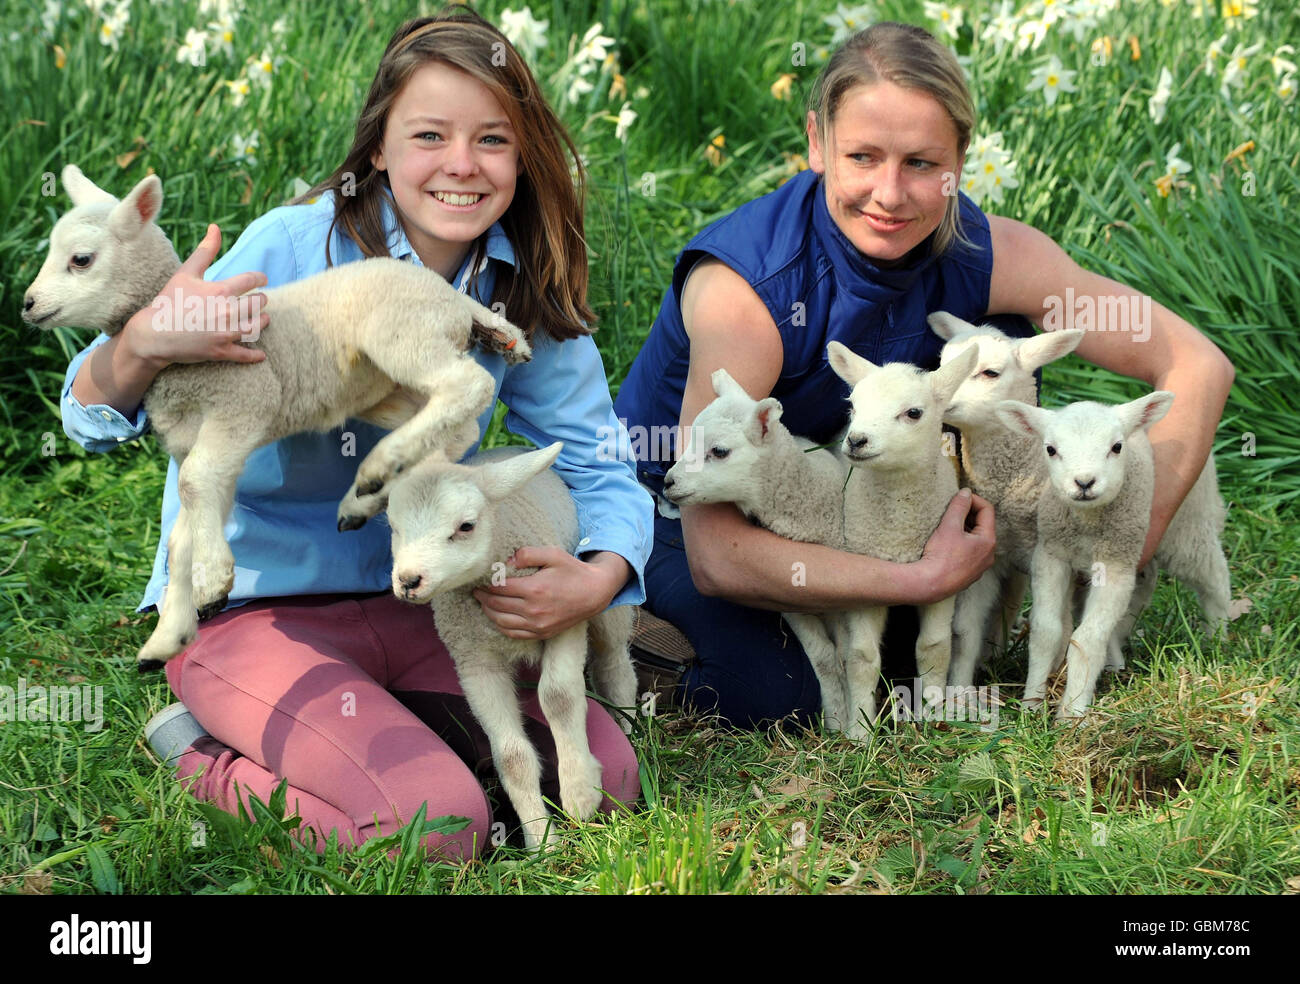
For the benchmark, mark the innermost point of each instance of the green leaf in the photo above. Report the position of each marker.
(102, 872)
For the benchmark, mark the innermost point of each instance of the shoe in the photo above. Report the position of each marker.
(171, 732)
(660, 656)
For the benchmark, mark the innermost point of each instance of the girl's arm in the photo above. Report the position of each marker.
(563, 394)
(730, 327)
(1031, 275)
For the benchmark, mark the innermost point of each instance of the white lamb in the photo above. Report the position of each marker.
(740, 452)
(1093, 520)
(1003, 466)
(380, 340)
(454, 526)
(899, 487)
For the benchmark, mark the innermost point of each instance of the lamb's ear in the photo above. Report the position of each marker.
(724, 385)
(81, 189)
(947, 325)
(1034, 353)
(946, 380)
(137, 209)
(766, 413)
(1021, 418)
(503, 478)
(1144, 411)
(848, 365)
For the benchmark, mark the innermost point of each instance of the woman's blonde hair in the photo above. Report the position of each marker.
(912, 58)
(544, 222)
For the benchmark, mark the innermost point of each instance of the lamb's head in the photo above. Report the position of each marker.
(1004, 369)
(107, 258)
(896, 411)
(727, 442)
(1086, 445)
(442, 516)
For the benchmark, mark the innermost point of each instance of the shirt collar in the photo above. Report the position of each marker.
(498, 244)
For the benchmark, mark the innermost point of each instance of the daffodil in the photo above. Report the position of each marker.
(223, 34)
(1236, 11)
(578, 87)
(193, 50)
(525, 31)
(781, 87)
(1101, 49)
(115, 21)
(1174, 167)
(1234, 67)
(262, 69)
(239, 90)
(847, 21)
(1214, 55)
(948, 18)
(713, 152)
(626, 117)
(988, 170)
(1053, 79)
(1030, 34)
(1282, 66)
(594, 47)
(1286, 88)
(243, 148)
(1001, 28)
(1164, 88)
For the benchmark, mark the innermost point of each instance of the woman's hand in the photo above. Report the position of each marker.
(960, 549)
(562, 593)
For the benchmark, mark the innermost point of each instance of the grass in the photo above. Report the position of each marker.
(1187, 779)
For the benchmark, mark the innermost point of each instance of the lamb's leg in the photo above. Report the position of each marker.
(490, 692)
(811, 632)
(1107, 603)
(612, 674)
(934, 650)
(1143, 588)
(1052, 586)
(973, 607)
(206, 483)
(862, 630)
(1015, 585)
(178, 623)
(458, 393)
(494, 333)
(563, 697)
(1209, 577)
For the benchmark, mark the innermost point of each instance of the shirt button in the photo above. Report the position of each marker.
(106, 415)
(584, 541)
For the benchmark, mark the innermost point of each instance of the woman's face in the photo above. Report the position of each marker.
(452, 160)
(891, 165)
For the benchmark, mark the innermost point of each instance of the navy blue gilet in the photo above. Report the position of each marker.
(817, 286)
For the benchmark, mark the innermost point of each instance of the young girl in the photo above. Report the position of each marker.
(861, 248)
(316, 673)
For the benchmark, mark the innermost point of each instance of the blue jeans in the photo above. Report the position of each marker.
(749, 668)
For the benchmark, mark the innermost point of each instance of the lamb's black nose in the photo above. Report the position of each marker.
(1085, 486)
(856, 444)
(668, 483)
(411, 581)
(29, 302)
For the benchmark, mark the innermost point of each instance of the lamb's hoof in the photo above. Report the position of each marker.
(210, 609)
(370, 488)
(149, 665)
(351, 523)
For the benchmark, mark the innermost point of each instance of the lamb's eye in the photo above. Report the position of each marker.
(1117, 447)
(1051, 451)
(719, 453)
(81, 261)
(914, 413)
(990, 374)
(465, 527)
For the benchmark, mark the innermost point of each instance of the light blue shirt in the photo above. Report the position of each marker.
(283, 527)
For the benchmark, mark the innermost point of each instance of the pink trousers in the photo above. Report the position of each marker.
(356, 703)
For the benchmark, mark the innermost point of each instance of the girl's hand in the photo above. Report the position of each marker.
(177, 328)
(562, 593)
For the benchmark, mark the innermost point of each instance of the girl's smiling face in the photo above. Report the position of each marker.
(452, 160)
(890, 165)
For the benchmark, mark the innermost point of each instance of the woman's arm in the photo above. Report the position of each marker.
(730, 327)
(1031, 275)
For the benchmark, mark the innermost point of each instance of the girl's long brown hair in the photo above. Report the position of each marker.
(548, 288)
